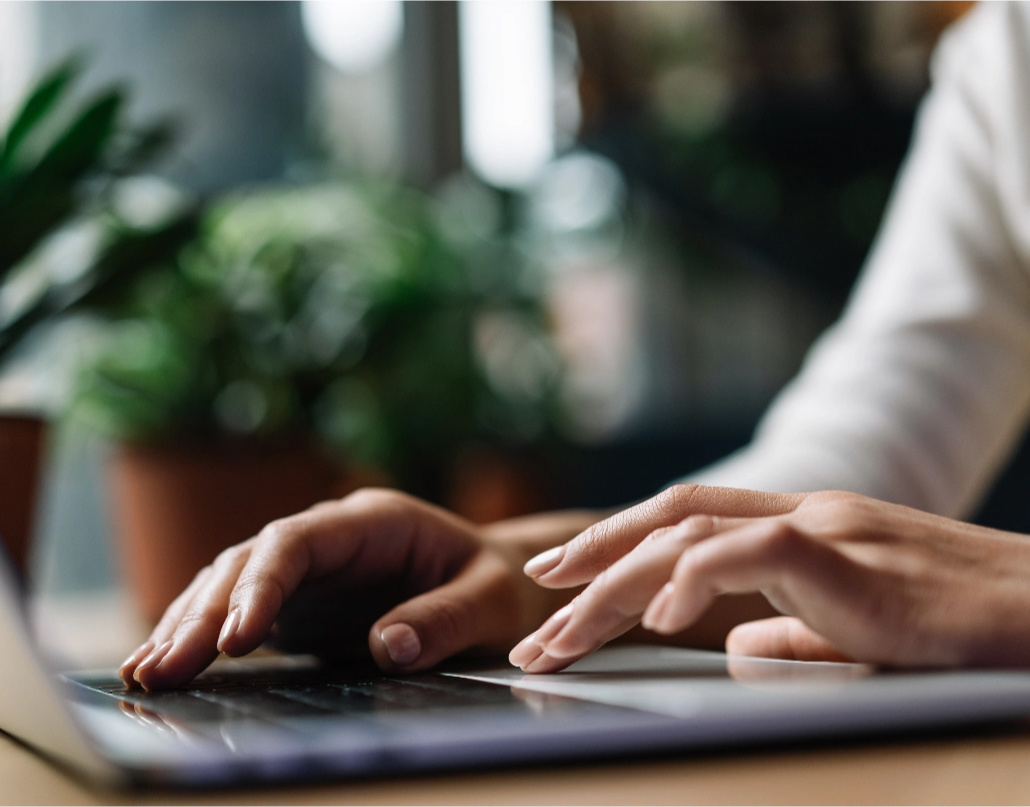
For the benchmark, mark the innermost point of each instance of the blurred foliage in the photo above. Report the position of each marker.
(61, 162)
(389, 326)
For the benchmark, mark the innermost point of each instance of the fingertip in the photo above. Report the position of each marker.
(655, 618)
(402, 643)
(525, 652)
(545, 663)
(174, 667)
(398, 647)
(229, 630)
(144, 672)
(128, 667)
(745, 639)
(241, 643)
(544, 563)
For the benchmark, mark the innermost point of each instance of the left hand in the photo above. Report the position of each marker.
(857, 578)
(377, 574)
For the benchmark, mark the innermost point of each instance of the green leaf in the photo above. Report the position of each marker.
(79, 149)
(108, 281)
(36, 107)
(37, 202)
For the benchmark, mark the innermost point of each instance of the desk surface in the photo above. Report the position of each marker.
(991, 766)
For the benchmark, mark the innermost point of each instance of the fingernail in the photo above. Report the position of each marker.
(531, 648)
(559, 619)
(232, 624)
(129, 665)
(656, 610)
(151, 661)
(544, 562)
(525, 652)
(544, 664)
(402, 643)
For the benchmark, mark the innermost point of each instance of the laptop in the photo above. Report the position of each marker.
(290, 718)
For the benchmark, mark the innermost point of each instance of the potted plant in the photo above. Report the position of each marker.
(60, 162)
(310, 339)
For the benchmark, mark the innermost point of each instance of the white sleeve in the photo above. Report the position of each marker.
(921, 391)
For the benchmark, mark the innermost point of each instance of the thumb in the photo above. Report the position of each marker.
(475, 609)
(781, 637)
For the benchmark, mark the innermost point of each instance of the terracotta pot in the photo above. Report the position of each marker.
(21, 456)
(177, 507)
(490, 484)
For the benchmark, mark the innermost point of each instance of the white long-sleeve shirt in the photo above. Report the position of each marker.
(921, 391)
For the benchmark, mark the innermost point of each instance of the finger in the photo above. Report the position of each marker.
(529, 653)
(192, 645)
(781, 637)
(614, 602)
(594, 550)
(368, 533)
(798, 575)
(163, 630)
(474, 610)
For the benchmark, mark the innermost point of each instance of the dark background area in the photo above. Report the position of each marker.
(791, 179)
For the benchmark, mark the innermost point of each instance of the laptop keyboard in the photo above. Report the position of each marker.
(283, 696)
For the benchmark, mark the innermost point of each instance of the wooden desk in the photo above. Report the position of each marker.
(986, 767)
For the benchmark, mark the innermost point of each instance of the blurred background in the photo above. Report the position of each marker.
(654, 208)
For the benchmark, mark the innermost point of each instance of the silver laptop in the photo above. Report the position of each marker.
(289, 718)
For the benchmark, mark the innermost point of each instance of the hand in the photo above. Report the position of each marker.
(858, 579)
(376, 572)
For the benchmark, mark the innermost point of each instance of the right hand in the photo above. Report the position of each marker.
(853, 578)
(376, 572)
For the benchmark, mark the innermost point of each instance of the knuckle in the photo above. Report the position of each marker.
(323, 506)
(273, 531)
(593, 550)
(782, 541)
(375, 499)
(284, 531)
(847, 512)
(594, 539)
(694, 527)
(676, 499)
(227, 558)
(199, 579)
(841, 500)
